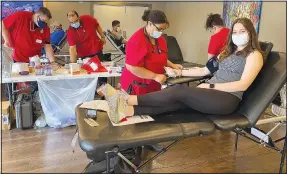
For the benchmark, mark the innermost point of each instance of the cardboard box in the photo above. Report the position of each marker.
(6, 119)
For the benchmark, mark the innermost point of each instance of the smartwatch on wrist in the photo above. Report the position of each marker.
(211, 86)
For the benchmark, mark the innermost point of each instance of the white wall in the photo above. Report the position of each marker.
(273, 24)
(129, 16)
(187, 21)
(59, 10)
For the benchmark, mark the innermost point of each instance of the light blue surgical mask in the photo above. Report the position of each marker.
(75, 25)
(156, 34)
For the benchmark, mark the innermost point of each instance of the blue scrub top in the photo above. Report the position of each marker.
(56, 37)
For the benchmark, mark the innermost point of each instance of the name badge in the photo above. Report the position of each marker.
(38, 41)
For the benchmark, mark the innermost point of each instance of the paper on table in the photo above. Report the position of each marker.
(96, 104)
(134, 120)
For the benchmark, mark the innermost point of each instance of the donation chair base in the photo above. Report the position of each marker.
(112, 159)
(265, 141)
(241, 127)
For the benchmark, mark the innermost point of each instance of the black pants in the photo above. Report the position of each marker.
(181, 96)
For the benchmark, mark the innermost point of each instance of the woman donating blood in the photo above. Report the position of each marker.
(146, 56)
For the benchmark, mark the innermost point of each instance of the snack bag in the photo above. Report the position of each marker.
(94, 65)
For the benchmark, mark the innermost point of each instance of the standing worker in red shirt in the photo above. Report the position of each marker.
(146, 56)
(217, 42)
(26, 33)
(83, 37)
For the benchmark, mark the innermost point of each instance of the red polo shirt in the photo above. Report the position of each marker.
(26, 43)
(141, 53)
(85, 37)
(218, 41)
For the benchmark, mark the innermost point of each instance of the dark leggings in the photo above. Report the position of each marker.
(177, 97)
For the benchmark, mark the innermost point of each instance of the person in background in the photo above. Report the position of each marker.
(57, 35)
(82, 36)
(215, 24)
(146, 56)
(117, 33)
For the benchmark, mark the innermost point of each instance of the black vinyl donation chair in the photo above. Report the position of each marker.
(103, 144)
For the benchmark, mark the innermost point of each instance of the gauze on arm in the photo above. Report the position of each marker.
(170, 72)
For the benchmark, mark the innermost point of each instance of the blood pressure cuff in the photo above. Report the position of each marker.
(212, 64)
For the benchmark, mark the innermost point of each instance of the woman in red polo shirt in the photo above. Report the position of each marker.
(217, 42)
(146, 56)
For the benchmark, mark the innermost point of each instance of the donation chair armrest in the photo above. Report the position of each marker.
(56, 47)
(180, 80)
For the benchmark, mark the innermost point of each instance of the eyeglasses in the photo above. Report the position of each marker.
(75, 21)
(158, 29)
(71, 15)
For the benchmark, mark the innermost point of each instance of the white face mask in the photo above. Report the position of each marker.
(156, 34)
(119, 29)
(240, 39)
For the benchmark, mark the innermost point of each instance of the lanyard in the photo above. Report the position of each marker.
(156, 43)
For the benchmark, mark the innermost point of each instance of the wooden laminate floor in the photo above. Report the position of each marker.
(48, 150)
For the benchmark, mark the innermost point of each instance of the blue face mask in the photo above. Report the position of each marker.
(156, 34)
(41, 23)
(75, 25)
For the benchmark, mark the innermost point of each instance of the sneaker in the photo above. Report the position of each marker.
(278, 110)
(106, 90)
(117, 103)
(283, 96)
(118, 107)
(122, 107)
(123, 94)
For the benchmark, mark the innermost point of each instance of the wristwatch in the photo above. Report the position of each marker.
(211, 86)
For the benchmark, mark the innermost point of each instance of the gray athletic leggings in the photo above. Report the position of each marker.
(181, 96)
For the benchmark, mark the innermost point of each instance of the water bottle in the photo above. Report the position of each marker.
(39, 70)
(80, 62)
(67, 68)
(48, 69)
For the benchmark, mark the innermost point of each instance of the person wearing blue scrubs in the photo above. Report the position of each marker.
(57, 35)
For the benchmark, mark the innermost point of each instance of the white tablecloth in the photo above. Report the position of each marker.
(57, 75)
